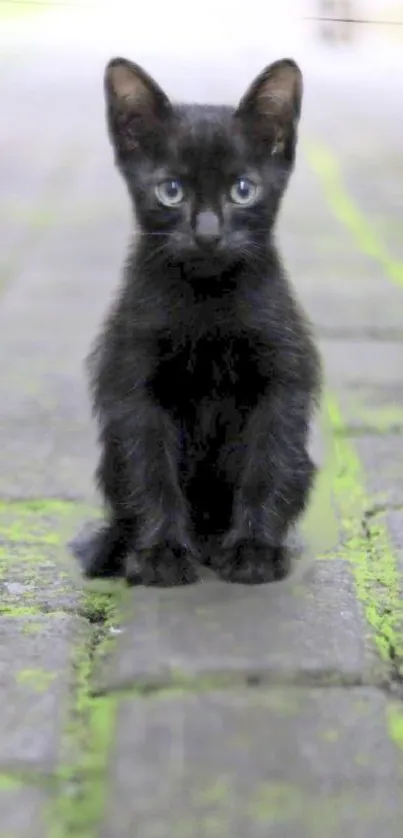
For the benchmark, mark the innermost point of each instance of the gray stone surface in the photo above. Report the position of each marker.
(35, 661)
(22, 810)
(215, 627)
(342, 287)
(289, 764)
(382, 458)
(38, 577)
(349, 364)
(370, 169)
(36, 569)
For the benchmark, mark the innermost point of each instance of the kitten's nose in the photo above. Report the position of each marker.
(207, 229)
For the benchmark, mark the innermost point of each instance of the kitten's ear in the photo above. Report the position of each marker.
(136, 105)
(271, 106)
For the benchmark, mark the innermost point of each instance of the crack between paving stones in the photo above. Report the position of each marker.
(395, 658)
(172, 683)
(77, 810)
(92, 615)
(381, 509)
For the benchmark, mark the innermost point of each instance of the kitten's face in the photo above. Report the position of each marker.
(206, 181)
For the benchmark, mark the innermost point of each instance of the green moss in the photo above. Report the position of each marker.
(89, 730)
(395, 722)
(373, 419)
(39, 505)
(325, 165)
(98, 607)
(366, 545)
(80, 807)
(37, 571)
(38, 680)
(22, 611)
(218, 792)
(41, 520)
(273, 802)
(9, 783)
(29, 529)
(330, 735)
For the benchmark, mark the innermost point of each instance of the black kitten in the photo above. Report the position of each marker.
(205, 375)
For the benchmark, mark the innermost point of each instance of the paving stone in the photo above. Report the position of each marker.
(372, 410)
(216, 627)
(38, 577)
(369, 364)
(46, 419)
(37, 570)
(369, 170)
(394, 522)
(382, 459)
(290, 764)
(340, 285)
(23, 810)
(35, 660)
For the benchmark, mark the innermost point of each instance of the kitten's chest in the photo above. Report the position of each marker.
(213, 368)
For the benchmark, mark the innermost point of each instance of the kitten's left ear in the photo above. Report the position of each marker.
(271, 106)
(137, 108)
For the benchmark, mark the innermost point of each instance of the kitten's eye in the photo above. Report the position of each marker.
(170, 192)
(243, 192)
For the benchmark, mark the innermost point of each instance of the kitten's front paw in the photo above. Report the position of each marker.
(248, 563)
(165, 566)
(99, 550)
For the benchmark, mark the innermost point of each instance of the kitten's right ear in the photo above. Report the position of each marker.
(136, 105)
(271, 107)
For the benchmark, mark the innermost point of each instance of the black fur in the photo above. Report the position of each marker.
(205, 375)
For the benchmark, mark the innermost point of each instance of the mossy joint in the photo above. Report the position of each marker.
(89, 731)
(376, 573)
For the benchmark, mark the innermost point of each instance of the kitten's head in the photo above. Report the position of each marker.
(206, 182)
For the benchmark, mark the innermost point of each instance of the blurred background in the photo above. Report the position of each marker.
(64, 224)
(64, 217)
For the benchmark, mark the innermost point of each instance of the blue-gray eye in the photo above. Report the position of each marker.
(243, 192)
(170, 192)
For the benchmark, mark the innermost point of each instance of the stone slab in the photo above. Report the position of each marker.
(290, 764)
(35, 660)
(370, 364)
(212, 627)
(37, 571)
(369, 169)
(22, 810)
(339, 284)
(382, 459)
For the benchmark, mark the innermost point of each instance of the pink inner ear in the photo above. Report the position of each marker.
(127, 86)
(277, 92)
(277, 95)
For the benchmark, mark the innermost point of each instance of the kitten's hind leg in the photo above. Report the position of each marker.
(101, 549)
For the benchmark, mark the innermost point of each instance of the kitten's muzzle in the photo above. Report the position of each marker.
(207, 232)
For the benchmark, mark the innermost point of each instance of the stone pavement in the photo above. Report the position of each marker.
(216, 711)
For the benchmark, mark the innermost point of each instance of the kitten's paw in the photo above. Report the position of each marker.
(164, 566)
(99, 550)
(248, 563)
